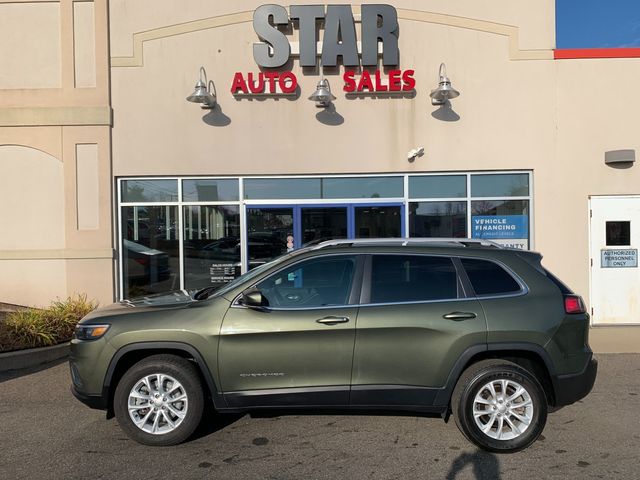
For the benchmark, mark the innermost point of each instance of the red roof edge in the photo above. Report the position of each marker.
(573, 53)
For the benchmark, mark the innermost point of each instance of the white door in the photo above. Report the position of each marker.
(615, 276)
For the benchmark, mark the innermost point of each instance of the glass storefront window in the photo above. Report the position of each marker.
(362, 187)
(281, 188)
(503, 221)
(438, 219)
(150, 250)
(211, 245)
(378, 222)
(500, 185)
(225, 190)
(323, 223)
(438, 186)
(270, 234)
(279, 215)
(150, 191)
(323, 188)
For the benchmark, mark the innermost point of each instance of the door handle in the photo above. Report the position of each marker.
(331, 320)
(459, 315)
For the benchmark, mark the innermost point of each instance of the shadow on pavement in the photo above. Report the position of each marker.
(11, 374)
(213, 422)
(485, 465)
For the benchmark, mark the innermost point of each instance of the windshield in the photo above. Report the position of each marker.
(245, 277)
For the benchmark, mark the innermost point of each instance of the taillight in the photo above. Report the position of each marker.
(573, 304)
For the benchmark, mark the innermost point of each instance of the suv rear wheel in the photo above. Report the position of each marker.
(499, 406)
(159, 400)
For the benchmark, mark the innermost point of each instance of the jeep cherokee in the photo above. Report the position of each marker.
(435, 326)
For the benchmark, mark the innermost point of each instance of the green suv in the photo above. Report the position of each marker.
(429, 326)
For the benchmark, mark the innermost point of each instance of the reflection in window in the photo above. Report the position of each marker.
(281, 188)
(270, 234)
(150, 191)
(618, 233)
(315, 283)
(438, 186)
(320, 224)
(362, 187)
(412, 278)
(210, 190)
(500, 185)
(211, 245)
(500, 207)
(378, 222)
(150, 258)
(438, 219)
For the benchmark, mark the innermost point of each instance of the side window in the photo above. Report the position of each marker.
(412, 278)
(488, 278)
(313, 283)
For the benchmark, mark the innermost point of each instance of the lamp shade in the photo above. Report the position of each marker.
(444, 91)
(201, 95)
(322, 96)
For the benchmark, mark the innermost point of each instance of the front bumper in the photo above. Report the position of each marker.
(98, 402)
(571, 388)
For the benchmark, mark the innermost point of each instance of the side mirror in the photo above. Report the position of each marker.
(252, 298)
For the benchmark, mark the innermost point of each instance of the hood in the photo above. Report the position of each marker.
(166, 300)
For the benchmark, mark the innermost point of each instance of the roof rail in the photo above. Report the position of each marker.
(403, 242)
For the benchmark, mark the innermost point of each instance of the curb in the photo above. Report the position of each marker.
(32, 357)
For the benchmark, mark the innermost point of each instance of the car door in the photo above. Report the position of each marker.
(414, 323)
(298, 348)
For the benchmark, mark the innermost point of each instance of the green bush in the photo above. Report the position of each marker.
(39, 328)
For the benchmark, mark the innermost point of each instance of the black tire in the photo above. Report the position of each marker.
(473, 380)
(181, 370)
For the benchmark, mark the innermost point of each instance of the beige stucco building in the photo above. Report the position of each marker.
(114, 185)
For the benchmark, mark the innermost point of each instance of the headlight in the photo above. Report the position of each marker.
(90, 332)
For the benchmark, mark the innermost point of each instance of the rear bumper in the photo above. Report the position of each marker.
(571, 388)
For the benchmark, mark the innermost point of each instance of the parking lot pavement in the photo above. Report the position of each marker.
(46, 433)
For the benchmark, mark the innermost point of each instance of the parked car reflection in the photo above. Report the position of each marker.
(145, 265)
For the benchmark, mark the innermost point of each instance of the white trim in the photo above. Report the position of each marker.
(120, 293)
(325, 201)
(180, 238)
(244, 235)
(405, 202)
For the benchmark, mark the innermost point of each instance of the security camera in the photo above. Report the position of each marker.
(416, 152)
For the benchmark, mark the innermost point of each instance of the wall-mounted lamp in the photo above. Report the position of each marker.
(445, 91)
(203, 93)
(322, 96)
(620, 158)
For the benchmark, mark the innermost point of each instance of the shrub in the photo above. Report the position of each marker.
(39, 328)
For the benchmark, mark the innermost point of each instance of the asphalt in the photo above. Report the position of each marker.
(46, 433)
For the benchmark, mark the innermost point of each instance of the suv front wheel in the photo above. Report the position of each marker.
(499, 406)
(159, 400)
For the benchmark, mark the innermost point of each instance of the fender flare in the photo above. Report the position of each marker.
(217, 397)
(444, 395)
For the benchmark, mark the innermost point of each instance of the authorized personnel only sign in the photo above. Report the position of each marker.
(619, 258)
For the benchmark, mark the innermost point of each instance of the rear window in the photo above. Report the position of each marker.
(412, 278)
(488, 278)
